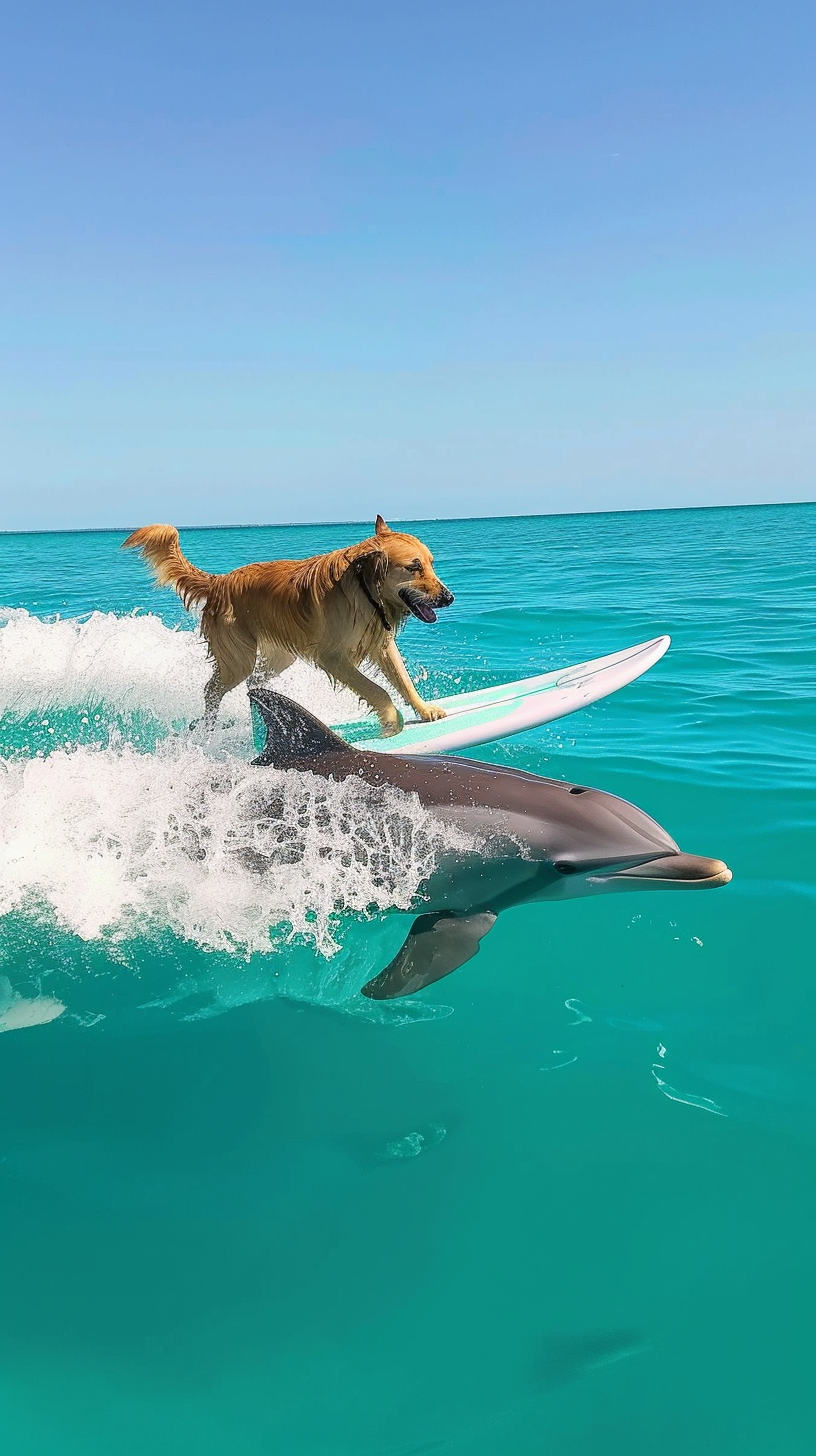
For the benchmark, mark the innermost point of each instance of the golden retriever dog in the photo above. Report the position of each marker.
(335, 610)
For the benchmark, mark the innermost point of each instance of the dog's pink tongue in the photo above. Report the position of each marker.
(424, 612)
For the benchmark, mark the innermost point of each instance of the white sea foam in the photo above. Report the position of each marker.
(116, 843)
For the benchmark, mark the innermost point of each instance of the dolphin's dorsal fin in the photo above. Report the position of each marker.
(292, 734)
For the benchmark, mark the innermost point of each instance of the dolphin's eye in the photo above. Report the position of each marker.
(564, 867)
(576, 790)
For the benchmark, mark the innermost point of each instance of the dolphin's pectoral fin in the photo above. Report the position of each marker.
(436, 945)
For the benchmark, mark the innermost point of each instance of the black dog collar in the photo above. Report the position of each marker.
(378, 606)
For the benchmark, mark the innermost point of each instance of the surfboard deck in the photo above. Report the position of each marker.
(500, 712)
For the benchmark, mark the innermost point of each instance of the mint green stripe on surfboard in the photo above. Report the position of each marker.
(367, 733)
(497, 712)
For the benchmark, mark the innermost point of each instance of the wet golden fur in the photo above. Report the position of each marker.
(331, 610)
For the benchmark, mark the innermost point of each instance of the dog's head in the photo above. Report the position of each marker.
(405, 578)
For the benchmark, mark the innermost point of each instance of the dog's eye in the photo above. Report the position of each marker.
(415, 565)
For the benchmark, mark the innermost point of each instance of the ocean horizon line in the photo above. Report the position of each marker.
(359, 520)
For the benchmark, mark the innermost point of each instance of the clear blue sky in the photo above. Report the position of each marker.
(305, 261)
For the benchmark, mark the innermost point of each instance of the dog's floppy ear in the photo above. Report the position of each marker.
(372, 566)
(381, 527)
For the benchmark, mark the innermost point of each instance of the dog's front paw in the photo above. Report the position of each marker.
(391, 723)
(431, 713)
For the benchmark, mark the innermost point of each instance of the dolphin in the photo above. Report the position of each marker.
(534, 839)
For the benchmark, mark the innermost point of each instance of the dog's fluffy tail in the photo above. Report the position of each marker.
(159, 546)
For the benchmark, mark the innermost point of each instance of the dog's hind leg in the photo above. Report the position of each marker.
(234, 651)
(213, 693)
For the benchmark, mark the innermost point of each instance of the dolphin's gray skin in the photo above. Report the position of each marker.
(539, 839)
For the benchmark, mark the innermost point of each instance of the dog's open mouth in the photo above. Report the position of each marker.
(418, 604)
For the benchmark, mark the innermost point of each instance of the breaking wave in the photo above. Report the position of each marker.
(118, 838)
(134, 664)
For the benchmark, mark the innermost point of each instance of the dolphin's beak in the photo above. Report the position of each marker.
(676, 872)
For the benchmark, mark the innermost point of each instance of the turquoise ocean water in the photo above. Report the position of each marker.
(561, 1202)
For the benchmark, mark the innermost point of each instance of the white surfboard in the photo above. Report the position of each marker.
(491, 713)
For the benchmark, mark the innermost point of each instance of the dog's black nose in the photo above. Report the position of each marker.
(445, 598)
